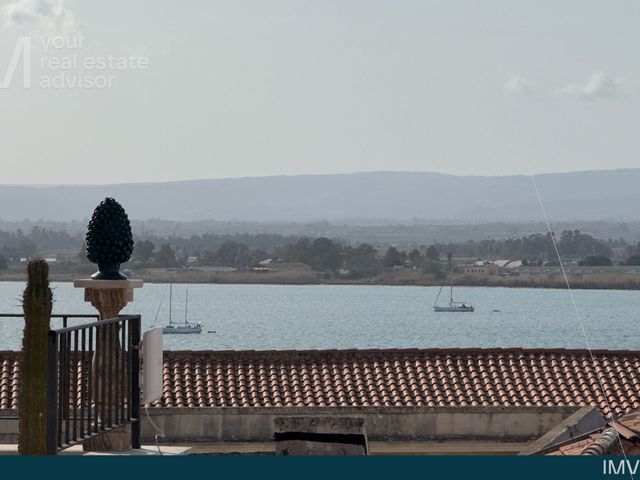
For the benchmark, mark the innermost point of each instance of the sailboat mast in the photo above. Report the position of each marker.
(170, 300)
(451, 295)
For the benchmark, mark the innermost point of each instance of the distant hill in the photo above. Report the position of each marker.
(398, 196)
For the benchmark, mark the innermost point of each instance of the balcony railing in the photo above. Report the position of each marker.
(94, 380)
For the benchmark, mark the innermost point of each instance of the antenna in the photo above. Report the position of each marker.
(170, 299)
(152, 365)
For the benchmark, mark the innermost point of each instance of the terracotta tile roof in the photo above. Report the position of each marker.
(408, 377)
(9, 372)
(456, 377)
(597, 443)
(578, 447)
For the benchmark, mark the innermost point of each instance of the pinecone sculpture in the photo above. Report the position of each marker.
(109, 241)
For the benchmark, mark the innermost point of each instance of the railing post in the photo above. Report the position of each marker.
(52, 393)
(134, 398)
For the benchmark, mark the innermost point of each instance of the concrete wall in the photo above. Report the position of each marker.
(9, 426)
(386, 423)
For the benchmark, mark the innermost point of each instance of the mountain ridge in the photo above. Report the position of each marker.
(583, 195)
(315, 175)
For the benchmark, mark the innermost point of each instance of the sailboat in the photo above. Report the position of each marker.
(452, 306)
(181, 327)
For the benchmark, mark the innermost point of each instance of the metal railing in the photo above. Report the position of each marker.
(65, 317)
(93, 381)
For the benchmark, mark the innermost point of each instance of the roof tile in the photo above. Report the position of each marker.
(429, 377)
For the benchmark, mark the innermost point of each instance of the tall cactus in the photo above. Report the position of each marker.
(36, 303)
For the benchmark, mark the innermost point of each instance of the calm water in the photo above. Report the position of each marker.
(327, 316)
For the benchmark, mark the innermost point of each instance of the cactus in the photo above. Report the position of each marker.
(36, 303)
(109, 241)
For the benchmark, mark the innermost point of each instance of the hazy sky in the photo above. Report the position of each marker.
(241, 88)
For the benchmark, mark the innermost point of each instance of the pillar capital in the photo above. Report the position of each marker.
(109, 297)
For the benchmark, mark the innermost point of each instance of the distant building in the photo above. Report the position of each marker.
(494, 267)
(508, 264)
(480, 268)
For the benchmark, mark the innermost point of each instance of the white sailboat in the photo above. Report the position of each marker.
(453, 306)
(181, 327)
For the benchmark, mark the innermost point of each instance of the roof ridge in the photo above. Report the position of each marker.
(409, 350)
(483, 350)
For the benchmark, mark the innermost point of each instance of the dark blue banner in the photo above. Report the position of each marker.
(325, 468)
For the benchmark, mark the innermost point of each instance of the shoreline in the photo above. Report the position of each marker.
(410, 279)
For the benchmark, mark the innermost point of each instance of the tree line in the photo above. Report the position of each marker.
(322, 254)
(331, 256)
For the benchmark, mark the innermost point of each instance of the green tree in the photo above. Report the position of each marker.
(3, 263)
(143, 251)
(233, 254)
(362, 261)
(208, 257)
(415, 257)
(299, 252)
(165, 257)
(432, 267)
(433, 253)
(24, 246)
(392, 258)
(595, 261)
(634, 260)
(574, 242)
(325, 255)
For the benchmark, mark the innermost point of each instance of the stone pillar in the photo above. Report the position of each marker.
(109, 297)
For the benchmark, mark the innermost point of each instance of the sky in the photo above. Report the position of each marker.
(215, 89)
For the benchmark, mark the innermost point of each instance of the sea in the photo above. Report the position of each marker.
(267, 317)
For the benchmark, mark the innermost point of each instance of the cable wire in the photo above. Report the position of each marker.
(160, 433)
(576, 310)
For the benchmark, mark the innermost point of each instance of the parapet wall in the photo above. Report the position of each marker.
(381, 423)
(8, 426)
